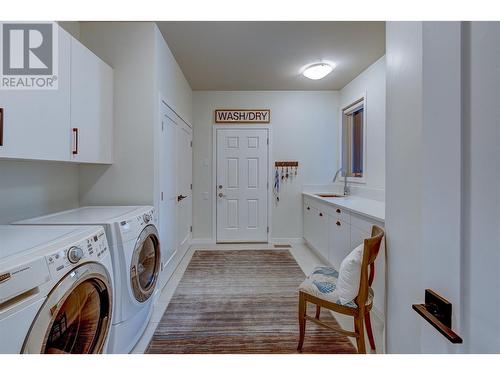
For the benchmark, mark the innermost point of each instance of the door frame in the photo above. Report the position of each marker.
(213, 189)
(163, 101)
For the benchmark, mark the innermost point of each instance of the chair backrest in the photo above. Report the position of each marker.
(370, 252)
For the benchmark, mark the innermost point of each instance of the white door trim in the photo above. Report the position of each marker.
(270, 175)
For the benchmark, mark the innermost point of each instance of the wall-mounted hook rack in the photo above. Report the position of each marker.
(286, 163)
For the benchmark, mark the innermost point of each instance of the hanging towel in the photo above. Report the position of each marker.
(276, 189)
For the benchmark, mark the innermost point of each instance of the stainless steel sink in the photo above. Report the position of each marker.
(330, 195)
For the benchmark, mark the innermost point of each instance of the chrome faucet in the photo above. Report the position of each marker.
(346, 188)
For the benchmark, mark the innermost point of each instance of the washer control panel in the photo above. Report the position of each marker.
(146, 218)
(131, 227)
(90, 249)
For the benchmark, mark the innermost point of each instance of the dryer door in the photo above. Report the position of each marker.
(76, 316)
(145, 264)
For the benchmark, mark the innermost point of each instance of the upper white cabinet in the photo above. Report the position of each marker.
(36, 122)
(91, 107)
(71, 123)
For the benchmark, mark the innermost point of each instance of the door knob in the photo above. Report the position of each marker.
(221, 195)
(181, 197)
(220, 186)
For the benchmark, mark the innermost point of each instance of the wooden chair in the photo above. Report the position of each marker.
(359, 309)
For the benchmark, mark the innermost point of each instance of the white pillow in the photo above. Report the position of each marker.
(349, 275)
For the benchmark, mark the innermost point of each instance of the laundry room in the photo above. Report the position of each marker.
(247, 187)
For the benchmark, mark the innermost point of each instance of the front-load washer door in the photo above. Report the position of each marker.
(145, 264)
(76, 316)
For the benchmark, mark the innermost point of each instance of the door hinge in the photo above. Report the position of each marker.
(267, 229)
(268, 141)
(191, 229)
(162, 195)
(191, 143)
(191, 186)
(162, 125)
(267, 185)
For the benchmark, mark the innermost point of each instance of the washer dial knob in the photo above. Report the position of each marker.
(75, 254)
(146, 218)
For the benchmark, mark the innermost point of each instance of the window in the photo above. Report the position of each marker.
(353, 130)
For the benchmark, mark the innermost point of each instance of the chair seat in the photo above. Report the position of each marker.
(322, 283)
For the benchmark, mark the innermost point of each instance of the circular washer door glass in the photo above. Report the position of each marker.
(79, 324)
(145, 264)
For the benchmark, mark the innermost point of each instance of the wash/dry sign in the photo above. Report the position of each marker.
(242, 116)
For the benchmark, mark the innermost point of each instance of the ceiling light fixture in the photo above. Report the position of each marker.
(318, 71)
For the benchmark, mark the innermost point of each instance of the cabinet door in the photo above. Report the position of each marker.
(36, 121)
(308, 225)
(321, 232)
(91, 107)
(339, 241)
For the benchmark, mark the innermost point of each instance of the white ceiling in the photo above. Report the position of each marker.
(270, 55)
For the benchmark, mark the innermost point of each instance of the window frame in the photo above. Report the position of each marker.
(350, 106)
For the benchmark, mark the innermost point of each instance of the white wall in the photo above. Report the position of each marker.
(170, 80)
(481, 136)
(304, 128)
(129, 47)
(372, 82)
(144, 68)
(443, 182)
(403, 184)
(30, 188)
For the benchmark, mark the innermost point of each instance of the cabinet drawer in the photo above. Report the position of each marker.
(339, 213)
(364, 223)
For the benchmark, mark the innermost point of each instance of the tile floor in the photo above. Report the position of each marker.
(304, 256)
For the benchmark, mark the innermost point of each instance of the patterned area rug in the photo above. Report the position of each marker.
(242, 301)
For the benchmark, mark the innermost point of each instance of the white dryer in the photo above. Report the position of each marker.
(56, 289)
(135, 250)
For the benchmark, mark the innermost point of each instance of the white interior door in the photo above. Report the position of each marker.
(168, 184)
(184, 173)
(242, 185)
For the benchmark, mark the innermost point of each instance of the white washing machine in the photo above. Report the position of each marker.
(56, 289)
(135, 251)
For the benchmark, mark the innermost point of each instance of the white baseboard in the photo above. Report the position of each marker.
(292, 241)
(202, 241)
(278, 240)
(172, 263)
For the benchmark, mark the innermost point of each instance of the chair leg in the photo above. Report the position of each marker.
(318, 311)
(302, 320)
(369, 330)
(360, 330)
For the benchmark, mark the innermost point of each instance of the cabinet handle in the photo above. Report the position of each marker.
(320, 214)
(1, 126)
(308, 208)
(75, 141)
(337, 210)
(338, 223)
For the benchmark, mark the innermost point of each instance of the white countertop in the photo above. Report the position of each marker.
(363, 206)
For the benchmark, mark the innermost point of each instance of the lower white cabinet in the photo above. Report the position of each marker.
(336, 232)
(338, 240)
